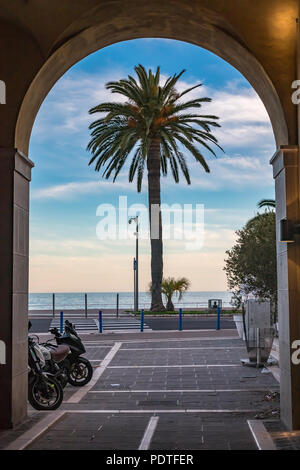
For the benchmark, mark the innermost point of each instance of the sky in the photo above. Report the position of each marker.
(72, 249)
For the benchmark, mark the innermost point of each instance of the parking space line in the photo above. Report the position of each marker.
(166, 340)
(158, 411)
(170, 366)
(77, 396)
(149, 432)
(183, 391)
(183, 349)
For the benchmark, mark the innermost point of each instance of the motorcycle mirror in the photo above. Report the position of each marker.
(29, 325)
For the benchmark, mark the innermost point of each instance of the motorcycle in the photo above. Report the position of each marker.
(44, 390)
(78, 369)
(55, 357)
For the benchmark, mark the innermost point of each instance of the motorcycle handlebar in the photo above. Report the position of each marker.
(54, 331)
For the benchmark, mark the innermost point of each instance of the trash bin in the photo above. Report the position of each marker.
(259, 343)
(213, 304)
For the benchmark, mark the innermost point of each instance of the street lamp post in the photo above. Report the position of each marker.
(136, 263)
(134, 283)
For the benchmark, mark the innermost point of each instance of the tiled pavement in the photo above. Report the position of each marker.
(283, 439)
(196, 388)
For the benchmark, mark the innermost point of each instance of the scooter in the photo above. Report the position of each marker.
(78, 369)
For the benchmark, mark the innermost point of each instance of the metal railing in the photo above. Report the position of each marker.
(54, 304)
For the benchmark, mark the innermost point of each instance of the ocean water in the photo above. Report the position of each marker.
(103, 300)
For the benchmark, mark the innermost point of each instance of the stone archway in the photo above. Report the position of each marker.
(207, 34)
(255, 39)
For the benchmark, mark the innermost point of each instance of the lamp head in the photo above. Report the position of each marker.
(288, 230)
(133, 219)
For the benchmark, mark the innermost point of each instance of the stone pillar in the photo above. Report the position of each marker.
(15, 171)
(286, 171)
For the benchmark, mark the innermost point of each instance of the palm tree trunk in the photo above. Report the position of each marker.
(153, 166)
(170, 305)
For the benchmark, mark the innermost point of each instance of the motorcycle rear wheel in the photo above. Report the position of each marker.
(45, 400)
(81, 372)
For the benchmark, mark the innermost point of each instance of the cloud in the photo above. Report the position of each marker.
(243, 116)
(237, 172)
(245, 131)
(73, 189)
(234, 173)
(66, 109)
(239, 105)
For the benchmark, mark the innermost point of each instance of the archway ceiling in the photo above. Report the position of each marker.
(267, 29)
(259, 24)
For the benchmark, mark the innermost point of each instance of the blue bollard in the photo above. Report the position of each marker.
(180, 320)
(142, 321)
(218, 318)
(61, 323)
(100, 322)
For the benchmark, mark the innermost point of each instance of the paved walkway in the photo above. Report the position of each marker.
(156, 391)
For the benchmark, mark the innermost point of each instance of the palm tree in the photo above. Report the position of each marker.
(171, 286)
(154, 126)
(267, 203)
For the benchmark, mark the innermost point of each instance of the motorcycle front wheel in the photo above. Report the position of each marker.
(81, 372)
(45, 395)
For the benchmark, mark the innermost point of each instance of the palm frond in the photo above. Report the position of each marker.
(266, 203)
(151, 111)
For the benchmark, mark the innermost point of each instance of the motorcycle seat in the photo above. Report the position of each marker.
(60, 352)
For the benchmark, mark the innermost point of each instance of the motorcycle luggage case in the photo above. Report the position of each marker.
(60, 352)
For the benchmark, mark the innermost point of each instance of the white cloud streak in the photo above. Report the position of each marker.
(74, 189)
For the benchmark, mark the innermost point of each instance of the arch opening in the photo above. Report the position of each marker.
(232, 167)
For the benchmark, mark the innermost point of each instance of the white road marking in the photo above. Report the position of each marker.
(182, 349)
(262, 438)
(169, 366)
(166, 340)
(161, 411)
(97, 374)
(149, 432)
(180, 391)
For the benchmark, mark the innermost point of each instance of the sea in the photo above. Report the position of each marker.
(107, 300)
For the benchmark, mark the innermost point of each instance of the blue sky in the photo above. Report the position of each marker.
(65, 253)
